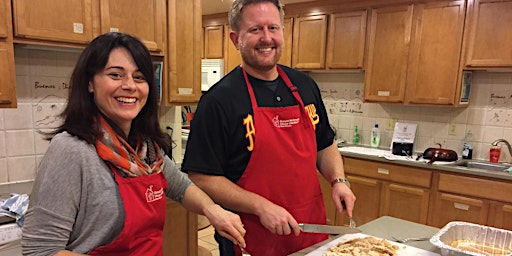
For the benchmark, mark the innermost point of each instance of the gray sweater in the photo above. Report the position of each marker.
(75, 203)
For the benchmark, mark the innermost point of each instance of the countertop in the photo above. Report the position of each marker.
(388, 227)
(373, 154)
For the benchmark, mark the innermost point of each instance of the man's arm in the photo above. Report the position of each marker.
(330, 165)
(231, 196)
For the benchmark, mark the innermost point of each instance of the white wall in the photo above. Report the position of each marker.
(489, 115)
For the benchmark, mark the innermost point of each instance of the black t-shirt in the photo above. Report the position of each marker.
(217, 144)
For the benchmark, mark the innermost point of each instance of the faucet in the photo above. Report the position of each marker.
(495, 143)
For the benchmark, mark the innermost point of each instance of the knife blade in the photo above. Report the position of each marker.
(327, 229)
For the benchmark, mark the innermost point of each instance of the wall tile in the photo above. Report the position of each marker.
(23, 90)
(19, 118)
(21, 168)
(19, 142)
(2, 122)
(41, 145)
(2, 144)
(46, 115)
(3, 170)
(42, 63)
(21, 60)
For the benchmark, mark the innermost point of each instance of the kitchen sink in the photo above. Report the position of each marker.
(499, 167)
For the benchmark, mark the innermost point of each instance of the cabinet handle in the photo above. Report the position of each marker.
(5, 102)
(382, 171)
(460, 206)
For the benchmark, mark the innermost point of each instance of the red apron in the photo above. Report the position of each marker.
(282, 168)
(144, 205)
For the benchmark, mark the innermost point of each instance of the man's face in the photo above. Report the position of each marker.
(260, 39)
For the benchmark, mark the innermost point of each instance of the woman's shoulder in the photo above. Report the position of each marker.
(68, 143)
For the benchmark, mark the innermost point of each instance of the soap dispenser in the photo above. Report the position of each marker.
(375, 138)
(355, 139)
(467, 148)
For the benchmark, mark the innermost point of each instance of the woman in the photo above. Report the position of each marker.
(101, 186)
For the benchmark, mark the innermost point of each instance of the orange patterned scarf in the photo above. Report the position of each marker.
(146, 159)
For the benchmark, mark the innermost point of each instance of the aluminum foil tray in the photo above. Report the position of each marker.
(458, 230)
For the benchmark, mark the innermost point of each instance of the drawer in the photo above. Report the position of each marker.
(478, 187)
(389, 172)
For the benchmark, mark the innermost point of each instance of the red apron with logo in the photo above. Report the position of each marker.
(144, 205)
(282, 168)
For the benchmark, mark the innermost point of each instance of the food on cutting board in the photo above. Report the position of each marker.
(363, 246)
(479, 247)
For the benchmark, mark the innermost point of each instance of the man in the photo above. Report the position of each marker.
(259, 135)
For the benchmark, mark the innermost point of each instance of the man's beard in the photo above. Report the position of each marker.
(255, 62)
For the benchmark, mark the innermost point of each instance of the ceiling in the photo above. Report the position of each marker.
(220, 6)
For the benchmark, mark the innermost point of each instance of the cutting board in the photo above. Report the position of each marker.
(404, 250)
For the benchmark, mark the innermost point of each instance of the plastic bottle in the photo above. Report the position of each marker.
(375, 138)
(355, 140)
(467, 148)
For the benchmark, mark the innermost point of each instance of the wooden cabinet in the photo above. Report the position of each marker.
(214, 42)
(82, 20)
(309, 41)
(489, 33)
(143, 19)
(414, 57)
(472, 199)
(184, 52)
(7, 73)
(368, 200)
(390, 31)
(387, 189)
(450, 207)
(330, 208)
(232, 56)
(500, 215)
(286, 54)
(346, 40)
(61, 20)
(180, 231)
(434, 67)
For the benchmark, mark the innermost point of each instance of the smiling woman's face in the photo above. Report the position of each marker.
(120, 89)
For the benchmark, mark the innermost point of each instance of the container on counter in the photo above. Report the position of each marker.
(494, 154)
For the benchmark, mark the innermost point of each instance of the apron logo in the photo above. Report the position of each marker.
(250, 131)
(313, 116)
(152, 196)
(284, 123)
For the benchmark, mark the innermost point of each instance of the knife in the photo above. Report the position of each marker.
(327, 229)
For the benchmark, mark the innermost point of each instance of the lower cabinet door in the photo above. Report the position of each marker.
(450, 207)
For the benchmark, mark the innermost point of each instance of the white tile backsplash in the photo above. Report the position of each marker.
(19, 118)
(21, 168)
(2, 144)
(19, 142)
(489, 118)
(3, 170)
(2, 123)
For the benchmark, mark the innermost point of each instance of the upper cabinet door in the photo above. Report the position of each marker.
(7, 73)
(143, 19)
(213, 42)
(309, 51)
(490, 33)
(232, 57)
(434, 57)
(54, 20)
(390, 32)
(346, 40)
(5, 19)
(286, 55)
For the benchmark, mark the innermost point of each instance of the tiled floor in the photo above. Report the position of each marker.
(206, 240)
